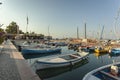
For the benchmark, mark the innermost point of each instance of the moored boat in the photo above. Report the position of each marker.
(102, 50)
(52, 72)
(37, 50)
(115, 51)
(87, 49)
(60, 61)
(108, 72)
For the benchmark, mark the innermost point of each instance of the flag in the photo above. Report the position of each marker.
(27, 19)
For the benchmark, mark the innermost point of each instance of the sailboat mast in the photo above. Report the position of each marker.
(85, 31)
(116, 21)
(27, 24)
(77, 33)
(48, 31)
(102, 33)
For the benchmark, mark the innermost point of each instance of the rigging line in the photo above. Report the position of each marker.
(115, 27)
(48, 30)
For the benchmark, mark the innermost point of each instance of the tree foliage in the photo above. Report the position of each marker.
(12, 28)
(21, 32)
(1, 35)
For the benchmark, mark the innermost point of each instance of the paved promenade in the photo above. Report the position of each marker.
(13, 66)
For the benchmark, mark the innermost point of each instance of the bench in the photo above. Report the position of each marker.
(114, 77)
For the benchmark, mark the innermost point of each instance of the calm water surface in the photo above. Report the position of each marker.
(76, 72)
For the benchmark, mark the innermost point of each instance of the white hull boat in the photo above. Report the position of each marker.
(108, 72)
(60, 61)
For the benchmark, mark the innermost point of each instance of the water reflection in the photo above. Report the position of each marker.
(51, 72)
(38, 55)
(98, 55)
(114, 55)
(78, 71)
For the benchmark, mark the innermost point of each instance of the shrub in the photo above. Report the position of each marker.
(2, 37)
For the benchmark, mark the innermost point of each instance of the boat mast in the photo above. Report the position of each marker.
(48, 31)
(115, 27)
(27, 25)
(102, 33)
(77, 33)
(85, 31)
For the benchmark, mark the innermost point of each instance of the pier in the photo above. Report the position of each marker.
(13, 66)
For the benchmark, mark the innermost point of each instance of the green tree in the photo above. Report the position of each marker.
(41, 36)
(2, 35)
(27, 33)
(33, 33)
(12, 28)
(21, 32)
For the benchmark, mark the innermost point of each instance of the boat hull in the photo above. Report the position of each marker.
(91, 75)
(44, 64)
(101, 51)
(115, 51)
(40, 51)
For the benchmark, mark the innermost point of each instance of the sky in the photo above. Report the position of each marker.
(63, 17)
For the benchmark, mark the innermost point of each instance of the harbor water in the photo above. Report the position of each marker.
(77, 72)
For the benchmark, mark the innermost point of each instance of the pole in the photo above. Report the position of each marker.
(77, 33)
(85, 31)
(48, 31)
(101, 36)
(26, 28)
(27, 25)
(1, 24)
(17, 30)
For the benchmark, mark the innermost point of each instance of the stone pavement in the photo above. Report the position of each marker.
(13, 65)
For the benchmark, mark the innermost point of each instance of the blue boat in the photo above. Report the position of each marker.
(108, 72)
(35, 48)
(115, 51)
(40, 50)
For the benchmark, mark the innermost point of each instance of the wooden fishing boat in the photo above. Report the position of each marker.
(108, 72)
(39, 49)
(61, 60)
(52, 72)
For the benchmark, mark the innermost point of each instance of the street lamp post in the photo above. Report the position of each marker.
(1, 24)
